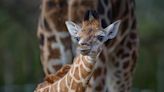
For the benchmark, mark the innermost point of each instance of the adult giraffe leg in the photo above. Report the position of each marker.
(119, 55)
(55, 41)
(123, 51)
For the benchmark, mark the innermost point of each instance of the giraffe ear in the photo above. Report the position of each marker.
(112, 30)
(72, 28)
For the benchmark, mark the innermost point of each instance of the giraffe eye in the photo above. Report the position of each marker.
(77, 38)
(100, 37)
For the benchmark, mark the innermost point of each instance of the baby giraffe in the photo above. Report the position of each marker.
(90, 37)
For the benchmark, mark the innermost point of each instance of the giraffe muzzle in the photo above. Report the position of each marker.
(85, 52)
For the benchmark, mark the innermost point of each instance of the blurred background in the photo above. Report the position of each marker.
(20, 67)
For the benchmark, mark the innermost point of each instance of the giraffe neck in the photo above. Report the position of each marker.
(77, 77)
(80, 73)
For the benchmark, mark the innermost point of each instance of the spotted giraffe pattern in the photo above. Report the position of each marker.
(74, 80)
(75, 77)
(55, 41)
(123, 50)
(116, 65)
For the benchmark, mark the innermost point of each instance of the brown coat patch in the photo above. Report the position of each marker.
(78, 87)
(126, 64)
(58, 75)
(84, 73)
(99, 88)
(66, 42)
(57, 66)
(97, 72)
(76, 74)
(51, 39)
(82, 7)
(63, 87)
(54, 53)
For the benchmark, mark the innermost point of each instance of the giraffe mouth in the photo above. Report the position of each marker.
(85, 51)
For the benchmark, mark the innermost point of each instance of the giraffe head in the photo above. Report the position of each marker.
(90, 35)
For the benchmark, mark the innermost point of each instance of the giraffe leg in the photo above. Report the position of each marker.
(55, 41)
(123, 60)
(122, 53)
